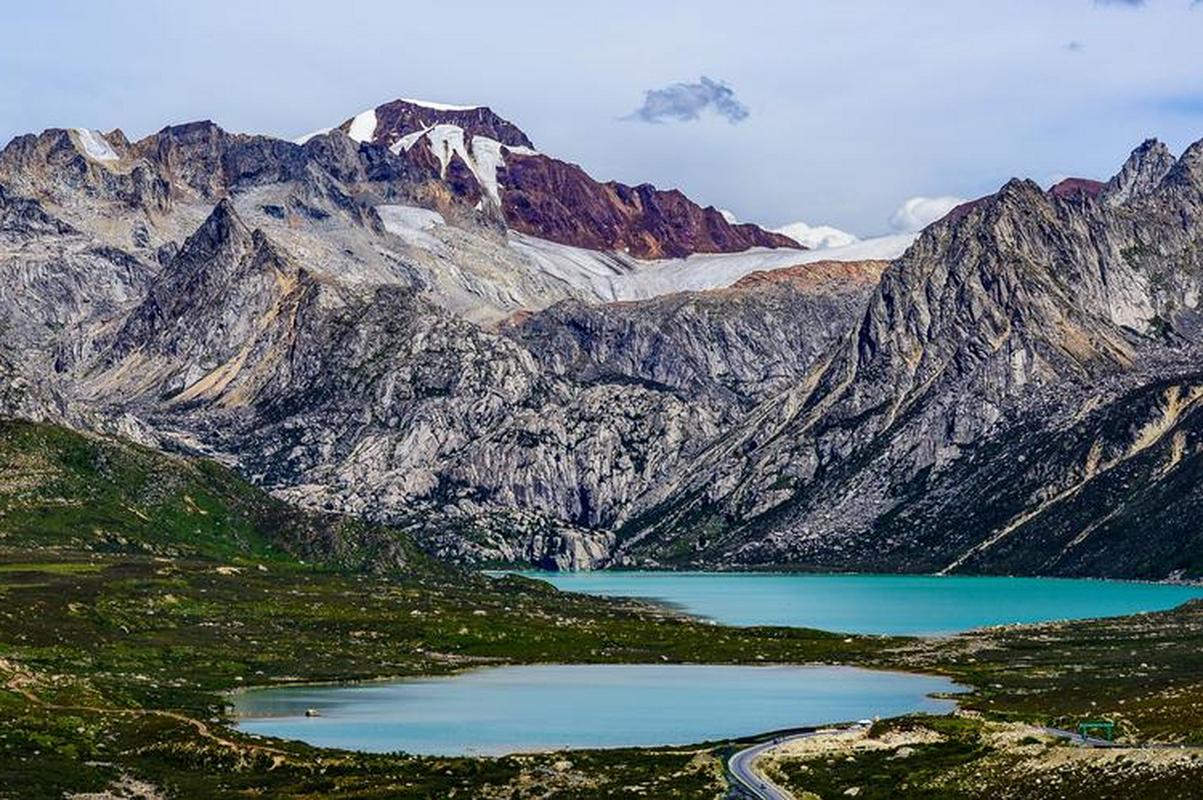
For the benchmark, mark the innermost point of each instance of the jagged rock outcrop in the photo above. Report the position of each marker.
(1108, 486)
(369, 400)
(54, 279)
(191, 335)
(1017, 312)
(735, 346)
(1141, 174)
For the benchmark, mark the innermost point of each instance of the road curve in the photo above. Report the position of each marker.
(752, 781)
(755, 784)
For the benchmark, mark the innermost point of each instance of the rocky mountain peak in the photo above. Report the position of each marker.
(1141, 173)
(185, 141)
(1016, 193)
(1188, 170)
(302, 328)
(28, 163)
(191, 335)
(191, 131)
(190, 154)
(1019, 190)
(460, 159)
(223, 230)
(223, 255)
(397, 124)
(1077, 189)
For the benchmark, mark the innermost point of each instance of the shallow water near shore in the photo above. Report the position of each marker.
(920, 605)
(510, 709)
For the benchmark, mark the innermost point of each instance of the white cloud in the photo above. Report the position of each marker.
(817, 237)
(917, 213)
(912, 216)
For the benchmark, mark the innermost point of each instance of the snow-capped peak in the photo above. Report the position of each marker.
(446, 139)
(482, 154)
(436, 106)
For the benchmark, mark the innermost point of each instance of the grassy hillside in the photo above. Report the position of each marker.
(63, 491)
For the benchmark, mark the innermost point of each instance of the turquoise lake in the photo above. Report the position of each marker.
(878, 604)
(550, 707)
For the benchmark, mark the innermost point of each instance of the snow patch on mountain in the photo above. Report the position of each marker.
(437, 106)
(486, 160)
(484, 157)
(95, 146)
(412, 225)
(617, 276)
(594, 271)
(717, 270)
(311, 134)
(445, 142)
(407, 141)
(363, 126)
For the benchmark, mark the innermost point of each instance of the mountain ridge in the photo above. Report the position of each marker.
(548, 197)
(296, 312)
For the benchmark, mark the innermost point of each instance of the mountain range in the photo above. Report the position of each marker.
(415, 317)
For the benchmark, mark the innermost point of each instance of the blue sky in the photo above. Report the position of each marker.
(853, 106)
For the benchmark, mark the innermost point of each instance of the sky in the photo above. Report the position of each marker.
(831, 112)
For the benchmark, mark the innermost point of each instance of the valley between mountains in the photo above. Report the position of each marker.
(267, 405)
(418, 319)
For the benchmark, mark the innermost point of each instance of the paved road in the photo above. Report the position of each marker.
(1085, 741)
(752, 781)
(755, 784)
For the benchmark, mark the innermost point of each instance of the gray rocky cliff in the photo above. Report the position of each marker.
(1023, 308)
(1000, 397)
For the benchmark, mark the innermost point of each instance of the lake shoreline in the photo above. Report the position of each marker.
(323, 628)
(527, 570)
(872, 604)
(542, 708)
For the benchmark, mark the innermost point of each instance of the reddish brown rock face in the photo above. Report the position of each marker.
(1068, 189)
(1077, 187)
(555, 200)
(462, 182)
